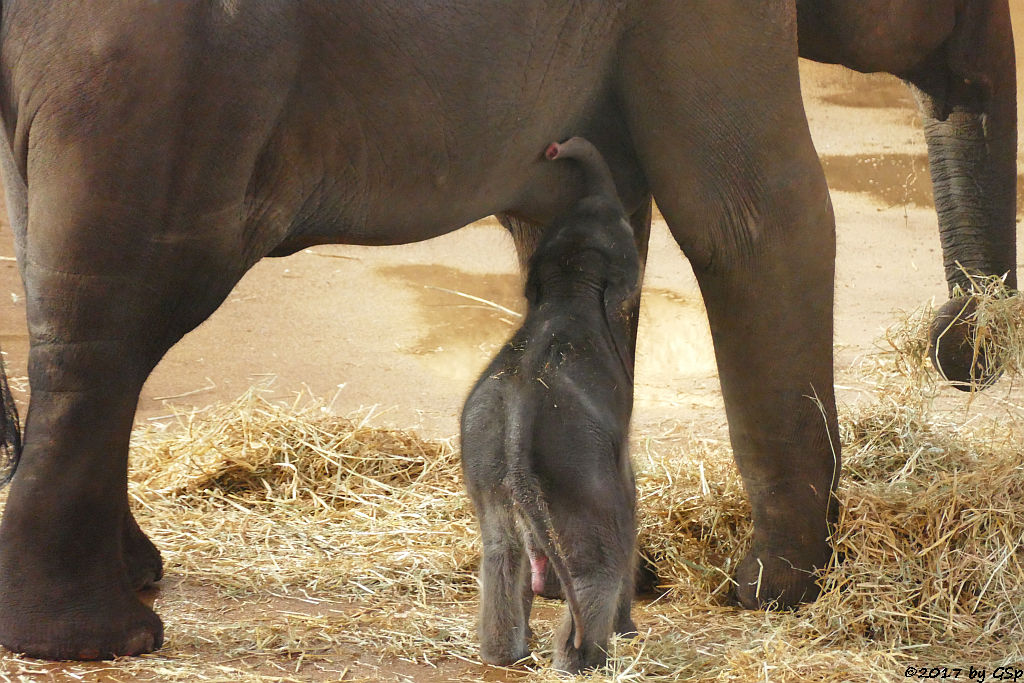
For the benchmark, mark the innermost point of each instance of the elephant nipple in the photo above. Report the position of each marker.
(538, 568)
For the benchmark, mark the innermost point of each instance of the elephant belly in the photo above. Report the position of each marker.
(401, 132)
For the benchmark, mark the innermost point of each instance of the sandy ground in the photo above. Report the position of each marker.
(381, 327)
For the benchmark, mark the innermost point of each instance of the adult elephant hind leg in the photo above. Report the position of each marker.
(71, 555)
(730, 161)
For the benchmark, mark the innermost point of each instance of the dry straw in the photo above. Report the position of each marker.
(305, 546)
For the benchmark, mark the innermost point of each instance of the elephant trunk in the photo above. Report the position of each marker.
(969, 108)
(596, 174)
(974, 176)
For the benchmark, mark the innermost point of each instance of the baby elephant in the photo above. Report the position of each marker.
(544, 450)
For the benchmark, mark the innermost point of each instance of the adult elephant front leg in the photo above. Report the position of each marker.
(771, 321)
(732, 167)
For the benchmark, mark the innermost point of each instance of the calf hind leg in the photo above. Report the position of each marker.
(605, 596)
(505, 591)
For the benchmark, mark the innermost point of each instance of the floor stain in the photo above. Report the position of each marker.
(466, 316)
(674, 340)
(461, 334)
(893, 179)
(884, 94)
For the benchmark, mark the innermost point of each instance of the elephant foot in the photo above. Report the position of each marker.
(141, 557)
(769, 581)
(102, 625)
(646, 580)
(951, 347)
(624, 624)
(64, 586)
(573, 660)
(626, 629)
(504, 654)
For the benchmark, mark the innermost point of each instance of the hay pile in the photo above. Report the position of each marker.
(359, 509)
(302, 546)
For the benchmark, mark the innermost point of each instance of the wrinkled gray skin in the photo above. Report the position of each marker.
(154, 151)
(957, 57)
(544, 435)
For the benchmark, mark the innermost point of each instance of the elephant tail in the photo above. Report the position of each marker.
(533, 508)
(596, 174)
(10, 429)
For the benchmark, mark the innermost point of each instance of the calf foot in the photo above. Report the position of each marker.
(504, 653)
(573, 660)
(624, 625)
(771, 581)
(142, 559)
(626, 628)
(592, 652)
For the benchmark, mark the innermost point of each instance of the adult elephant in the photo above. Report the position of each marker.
(153, 152)
(957, 56)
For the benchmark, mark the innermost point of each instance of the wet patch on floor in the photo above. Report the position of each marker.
(883, 94)
(892, 179)
(466, 316)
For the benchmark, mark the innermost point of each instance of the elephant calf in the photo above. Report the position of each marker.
(544, 449)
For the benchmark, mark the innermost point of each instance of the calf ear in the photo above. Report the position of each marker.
(621, 305)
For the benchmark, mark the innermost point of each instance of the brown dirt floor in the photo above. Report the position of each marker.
(372, 326)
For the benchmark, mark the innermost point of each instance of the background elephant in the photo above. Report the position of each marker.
(957, 56)
(545, 450)
(154, 151)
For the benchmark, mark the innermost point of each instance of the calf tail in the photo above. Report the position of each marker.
(533, 508)
(10, 429)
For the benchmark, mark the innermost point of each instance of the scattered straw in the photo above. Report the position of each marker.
(300, 545)
(999, 323)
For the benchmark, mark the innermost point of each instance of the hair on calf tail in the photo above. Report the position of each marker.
(10, 429)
